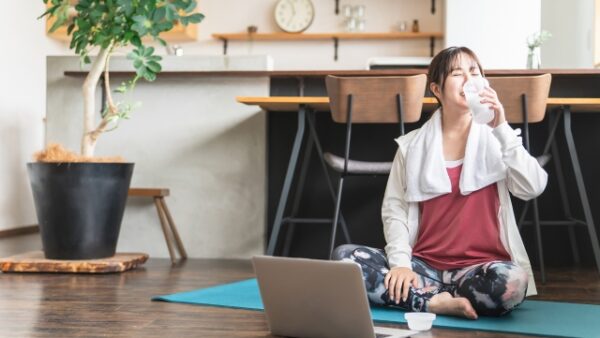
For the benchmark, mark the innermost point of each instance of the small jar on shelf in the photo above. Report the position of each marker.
(415, 26)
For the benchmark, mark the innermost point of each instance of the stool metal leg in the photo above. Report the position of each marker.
(538, 238)
(581, 186)
(565, 201)
(298, 196)
(562, 187)
(336, 215)
(163, 223)
(288, 180)
(173, 228)
(523, 215)
(313, 133)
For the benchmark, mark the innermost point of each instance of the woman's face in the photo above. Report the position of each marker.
(453, 95)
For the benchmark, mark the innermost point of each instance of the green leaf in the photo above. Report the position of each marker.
(127, 6)
(159, 14)
(149, 51)
(133, 54)
(154, 66)
(56, 25)
(122, 88)
(141, 71)
(163, 27)
(170, 12)
(149, 76)
(50, 11)
(161, 41)
(106, 43)
(193, 4)
(116, 31)
(195, 18)
(142, 24)
(136, 41)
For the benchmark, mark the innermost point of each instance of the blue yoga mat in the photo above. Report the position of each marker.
(532, 317)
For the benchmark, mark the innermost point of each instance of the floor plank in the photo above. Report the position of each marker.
(118, 305)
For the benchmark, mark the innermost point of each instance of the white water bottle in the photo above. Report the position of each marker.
(480, 111)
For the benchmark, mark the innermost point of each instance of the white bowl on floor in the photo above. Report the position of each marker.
(419, 321)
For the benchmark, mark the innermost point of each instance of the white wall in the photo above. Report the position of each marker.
(381, 16)
(596, 33)
(496, 30)
(571, 44)
(22, 105)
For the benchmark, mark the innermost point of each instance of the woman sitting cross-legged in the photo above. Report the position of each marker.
(453, 246)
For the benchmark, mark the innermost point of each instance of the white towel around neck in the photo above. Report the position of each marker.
(426, 175)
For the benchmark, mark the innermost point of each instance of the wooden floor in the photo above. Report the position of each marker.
(118, 305)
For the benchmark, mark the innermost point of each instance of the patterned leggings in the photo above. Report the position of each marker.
(493, 288)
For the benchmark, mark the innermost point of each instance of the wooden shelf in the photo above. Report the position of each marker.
(325, 36)
(226, 37)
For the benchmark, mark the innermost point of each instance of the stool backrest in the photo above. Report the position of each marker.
(374, 99)
(510, 90)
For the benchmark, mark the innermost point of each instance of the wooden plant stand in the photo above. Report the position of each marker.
(34, 261)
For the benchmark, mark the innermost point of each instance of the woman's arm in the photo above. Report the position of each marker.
(526, 178)
(394, 213)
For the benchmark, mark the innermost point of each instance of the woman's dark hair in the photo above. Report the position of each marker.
(444, 61)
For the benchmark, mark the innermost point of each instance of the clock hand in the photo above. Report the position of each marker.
(293, 11)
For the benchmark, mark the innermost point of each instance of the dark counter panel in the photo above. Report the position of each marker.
(361, 202)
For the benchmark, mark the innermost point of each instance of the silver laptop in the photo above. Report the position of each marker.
(317, 299)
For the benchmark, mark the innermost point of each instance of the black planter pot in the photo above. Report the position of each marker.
(80, 207)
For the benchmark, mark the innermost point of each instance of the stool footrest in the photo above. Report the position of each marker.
(571, 221)
(308, 220)
(148, 192)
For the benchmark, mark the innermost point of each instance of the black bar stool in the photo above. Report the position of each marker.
(524, 99)
(369, 100)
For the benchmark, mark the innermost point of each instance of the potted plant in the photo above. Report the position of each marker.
(80, 199)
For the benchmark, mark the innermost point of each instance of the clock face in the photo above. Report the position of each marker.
(294, 16)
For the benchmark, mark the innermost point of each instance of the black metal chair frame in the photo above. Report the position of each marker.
(305, 114)
(570, 221)
(345, 172)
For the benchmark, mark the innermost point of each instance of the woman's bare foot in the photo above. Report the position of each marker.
(444, 304)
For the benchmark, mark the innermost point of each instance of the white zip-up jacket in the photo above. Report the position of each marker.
(524, 178)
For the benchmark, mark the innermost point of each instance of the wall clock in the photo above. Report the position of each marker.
(294, 16)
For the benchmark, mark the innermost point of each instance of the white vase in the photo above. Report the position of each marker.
(533, 59)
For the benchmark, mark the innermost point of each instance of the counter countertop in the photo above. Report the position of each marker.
(377, 72)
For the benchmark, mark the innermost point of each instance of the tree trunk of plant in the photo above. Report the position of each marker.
(88, 143)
